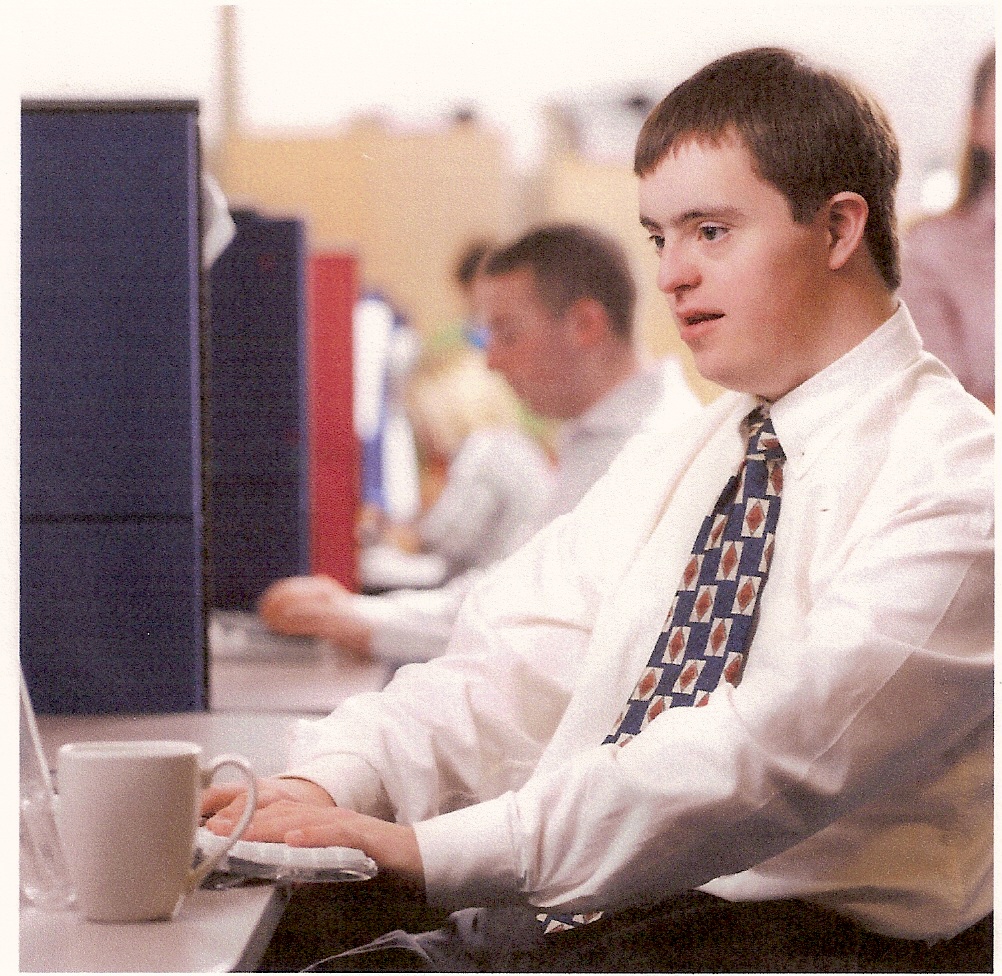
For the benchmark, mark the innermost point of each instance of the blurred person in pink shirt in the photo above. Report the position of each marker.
(948, 261)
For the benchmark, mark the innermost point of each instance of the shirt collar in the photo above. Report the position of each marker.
(807, 417)
(619, 407)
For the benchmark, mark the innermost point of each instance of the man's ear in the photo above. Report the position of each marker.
(590, 321)
(846, 215)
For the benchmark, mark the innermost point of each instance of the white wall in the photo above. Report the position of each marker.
(316, 64)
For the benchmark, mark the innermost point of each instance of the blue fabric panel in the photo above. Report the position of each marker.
(111, 616)
(258, 462)
(254, 544)
(109, 331)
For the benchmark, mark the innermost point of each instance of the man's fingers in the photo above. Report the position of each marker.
(216, 798)
(273, 824)
(321, 835)
(276, 799)
(331, 827)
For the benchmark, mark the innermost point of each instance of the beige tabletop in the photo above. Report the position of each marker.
(213, 931)
(253, 670)
(262, 737)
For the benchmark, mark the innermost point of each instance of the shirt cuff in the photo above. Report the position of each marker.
(352, 783)
(468, 855)
(408, 625)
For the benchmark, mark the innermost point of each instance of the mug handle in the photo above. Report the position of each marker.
(197, 875)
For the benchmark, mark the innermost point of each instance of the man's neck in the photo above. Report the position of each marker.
(604, 376)
(858, 313)
(842, 318)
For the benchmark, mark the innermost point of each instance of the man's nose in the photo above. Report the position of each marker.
(677, 270)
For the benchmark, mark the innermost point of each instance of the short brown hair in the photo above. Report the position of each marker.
(570, 262)
(469, 261)
(811, 133)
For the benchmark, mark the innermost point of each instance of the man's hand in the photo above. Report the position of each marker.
(315, 606)
(223, 805)
(301, 814)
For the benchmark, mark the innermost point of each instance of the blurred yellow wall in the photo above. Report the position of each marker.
(407, 202)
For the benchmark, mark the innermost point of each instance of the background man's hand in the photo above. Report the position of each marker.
(315, 606)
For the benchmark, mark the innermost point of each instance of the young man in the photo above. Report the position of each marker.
(558, 306)
(768, 749)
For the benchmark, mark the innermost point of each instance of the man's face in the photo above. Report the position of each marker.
(744, 281)
(526, 344)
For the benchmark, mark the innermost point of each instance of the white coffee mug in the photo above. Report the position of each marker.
(127, 813)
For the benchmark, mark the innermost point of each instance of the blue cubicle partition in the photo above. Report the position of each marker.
(112, 613)
(258, 510)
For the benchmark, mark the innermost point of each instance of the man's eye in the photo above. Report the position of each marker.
(658, 241)
(712, 232)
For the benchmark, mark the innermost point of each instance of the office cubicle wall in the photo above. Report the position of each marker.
(259, 505)
(111, 591)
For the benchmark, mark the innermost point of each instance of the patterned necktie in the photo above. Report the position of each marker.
(712, 618)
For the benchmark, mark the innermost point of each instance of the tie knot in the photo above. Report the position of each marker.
(762, 440)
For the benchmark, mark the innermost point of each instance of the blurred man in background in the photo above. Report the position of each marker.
(558, 308)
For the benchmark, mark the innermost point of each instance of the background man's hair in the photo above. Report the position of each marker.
(570, 262)
(469, 261)
(811, 134)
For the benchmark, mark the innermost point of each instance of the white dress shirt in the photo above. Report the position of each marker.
(852, 765)
(415, 625)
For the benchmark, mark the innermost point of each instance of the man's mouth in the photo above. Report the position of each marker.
(697, 318)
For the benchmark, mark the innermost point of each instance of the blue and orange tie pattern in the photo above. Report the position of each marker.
(712, 617)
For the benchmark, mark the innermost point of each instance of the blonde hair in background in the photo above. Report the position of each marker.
(451, 393)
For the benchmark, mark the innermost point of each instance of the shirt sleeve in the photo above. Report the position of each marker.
(414, 625)
(475, 725)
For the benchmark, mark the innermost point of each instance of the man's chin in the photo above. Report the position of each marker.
(710, 368)
(727, 379)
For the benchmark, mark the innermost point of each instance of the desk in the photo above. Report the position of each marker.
(213, 931)
(252, 669)
(263, 737)
(308, 684)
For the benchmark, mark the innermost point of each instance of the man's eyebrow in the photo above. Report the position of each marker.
(725, 212)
